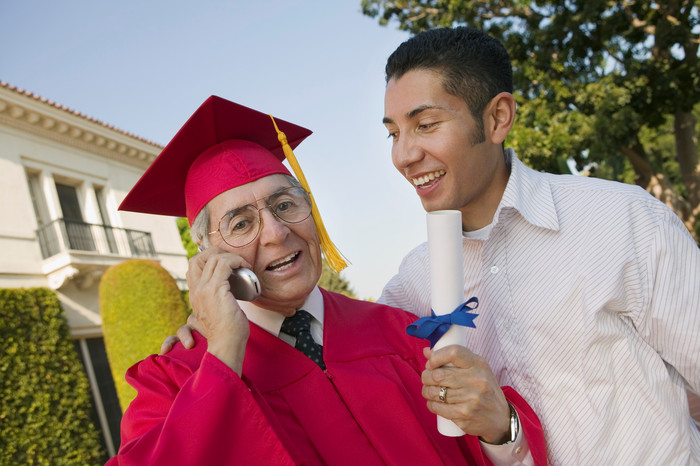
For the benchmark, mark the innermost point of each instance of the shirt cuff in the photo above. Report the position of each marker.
(516, 453)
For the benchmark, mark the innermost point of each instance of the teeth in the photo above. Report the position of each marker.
(283, 267)
(284, 259)
(428, 178)
(283, 263)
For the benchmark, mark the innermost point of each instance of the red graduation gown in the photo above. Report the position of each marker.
(366, 408)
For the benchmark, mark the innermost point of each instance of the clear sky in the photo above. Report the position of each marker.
(144, 66)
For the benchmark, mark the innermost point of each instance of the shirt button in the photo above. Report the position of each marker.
(494, 269)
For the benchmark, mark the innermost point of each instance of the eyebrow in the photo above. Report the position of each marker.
(233, 212)
(415, 112)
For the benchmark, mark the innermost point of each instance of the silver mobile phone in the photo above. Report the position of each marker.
(245, 285)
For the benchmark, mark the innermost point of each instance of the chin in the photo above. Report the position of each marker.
(432, 206)
(294, 291)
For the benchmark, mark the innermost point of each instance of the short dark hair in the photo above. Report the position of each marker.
(474, 66)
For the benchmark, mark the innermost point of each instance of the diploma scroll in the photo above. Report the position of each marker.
(446, 284)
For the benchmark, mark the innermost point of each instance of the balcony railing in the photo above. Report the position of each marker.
(65, 235)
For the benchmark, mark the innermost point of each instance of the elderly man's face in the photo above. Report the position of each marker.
(286, 257)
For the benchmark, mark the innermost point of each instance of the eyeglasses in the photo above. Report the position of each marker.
(239, 227)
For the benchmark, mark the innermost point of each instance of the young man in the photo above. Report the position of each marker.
(589, 290)
(341, 386)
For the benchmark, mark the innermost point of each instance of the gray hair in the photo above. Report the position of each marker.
(199, 231)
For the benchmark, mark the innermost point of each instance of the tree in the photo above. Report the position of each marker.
(140, 305)
(598, 82)
(44, 392)
(184, 227)
(332, 281)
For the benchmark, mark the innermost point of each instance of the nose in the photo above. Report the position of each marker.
(273, 230)
(405, 152)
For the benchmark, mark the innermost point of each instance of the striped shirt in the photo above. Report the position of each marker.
(589, 306)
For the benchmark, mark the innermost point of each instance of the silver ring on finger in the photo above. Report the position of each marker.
(443, 394)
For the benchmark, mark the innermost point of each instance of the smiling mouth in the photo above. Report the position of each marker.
(426, 181)
(283, 263)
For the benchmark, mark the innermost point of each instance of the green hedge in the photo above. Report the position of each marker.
(44, 392)
(140, 305)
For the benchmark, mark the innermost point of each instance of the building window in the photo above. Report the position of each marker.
(73, 215)
(78, 232)
(108, 231)
(48, 239)
(106, 411)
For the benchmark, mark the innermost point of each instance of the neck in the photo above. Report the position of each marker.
(480, 211)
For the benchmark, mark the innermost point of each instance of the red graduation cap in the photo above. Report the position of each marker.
(221, 146)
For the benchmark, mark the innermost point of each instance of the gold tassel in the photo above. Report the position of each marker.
(333, 256)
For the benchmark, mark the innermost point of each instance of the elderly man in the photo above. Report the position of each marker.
(349, 391)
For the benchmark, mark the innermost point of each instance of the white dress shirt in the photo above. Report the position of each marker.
(272, 321)
(589, 306)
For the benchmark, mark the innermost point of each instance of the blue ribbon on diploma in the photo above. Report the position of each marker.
(433, 327)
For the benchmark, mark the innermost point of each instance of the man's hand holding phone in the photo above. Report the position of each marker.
(214, 306)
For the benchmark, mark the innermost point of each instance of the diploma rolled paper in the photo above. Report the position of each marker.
(446, 283)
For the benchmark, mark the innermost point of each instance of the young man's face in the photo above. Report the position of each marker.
(439, 149)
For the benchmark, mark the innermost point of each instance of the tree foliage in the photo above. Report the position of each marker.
(184, 227)
(140, 305)
(598, 82)
(44, 392)
(335, 282)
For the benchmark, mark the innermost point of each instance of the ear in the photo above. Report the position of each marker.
(499, 116)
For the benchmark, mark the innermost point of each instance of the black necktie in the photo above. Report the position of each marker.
(299, 326)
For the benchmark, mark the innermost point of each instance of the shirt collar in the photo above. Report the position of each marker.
(272, 321)
(480, 234)
(530, 193)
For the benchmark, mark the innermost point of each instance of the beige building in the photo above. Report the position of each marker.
(62, 177)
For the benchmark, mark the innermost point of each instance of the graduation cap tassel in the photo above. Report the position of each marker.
(333, 256)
